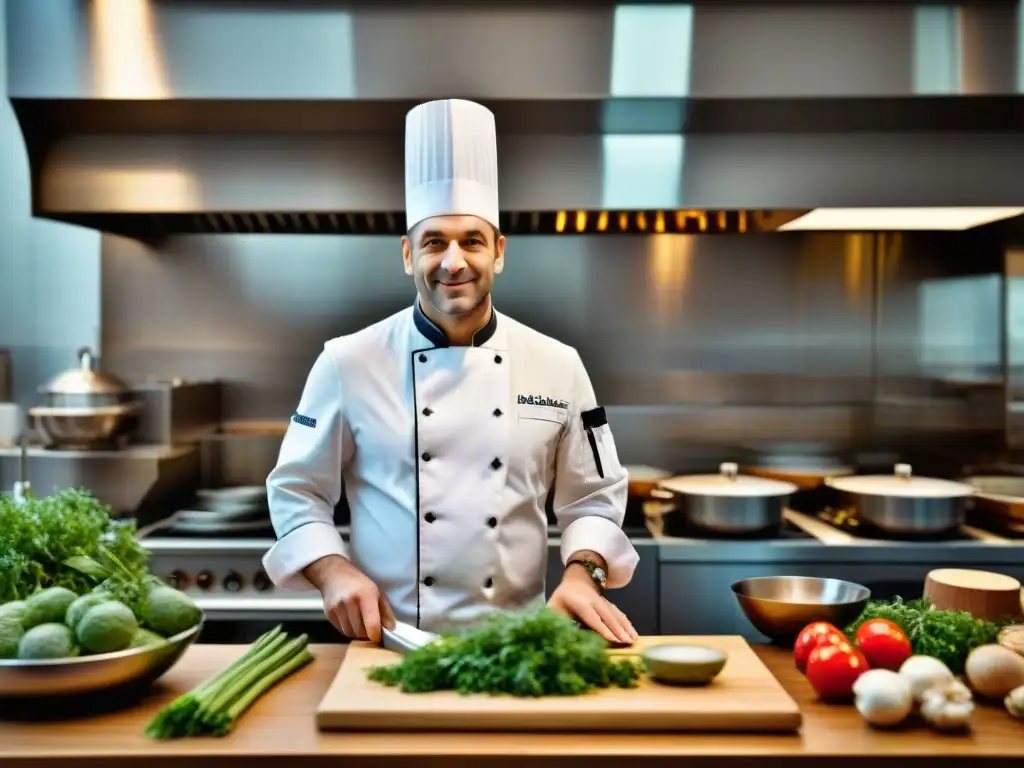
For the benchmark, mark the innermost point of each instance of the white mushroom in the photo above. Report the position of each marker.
(883, 697)
(924, 672)
(947, 706)
(1015, 702)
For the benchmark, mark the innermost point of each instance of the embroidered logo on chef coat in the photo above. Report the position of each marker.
(542, 400)
(305, 421)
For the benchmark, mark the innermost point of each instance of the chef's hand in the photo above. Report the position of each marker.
(353, 603)
(579, 597)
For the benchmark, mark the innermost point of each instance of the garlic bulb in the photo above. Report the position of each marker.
(947, 706)
(883, 697)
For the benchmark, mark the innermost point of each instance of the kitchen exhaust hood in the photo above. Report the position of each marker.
(151, 118)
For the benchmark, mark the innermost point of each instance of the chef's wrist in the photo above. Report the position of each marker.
(321, 572)
(576, 573)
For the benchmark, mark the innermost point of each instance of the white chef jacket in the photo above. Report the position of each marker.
(447, 454)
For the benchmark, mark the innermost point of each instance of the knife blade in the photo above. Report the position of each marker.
(405, 638)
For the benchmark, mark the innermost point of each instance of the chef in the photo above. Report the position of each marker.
(447, 424)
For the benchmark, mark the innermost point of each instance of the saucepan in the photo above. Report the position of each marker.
(728, 503)
(807, 466)
(902, 504)
(999, 494)
(998, 499)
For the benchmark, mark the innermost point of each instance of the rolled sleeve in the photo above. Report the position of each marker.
(306, 484)
(591, 486)
(599, 534)
(285, 561)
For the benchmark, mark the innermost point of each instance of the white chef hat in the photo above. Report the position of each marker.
(451, 161)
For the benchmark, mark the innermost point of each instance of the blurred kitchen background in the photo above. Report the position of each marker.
(200, 194)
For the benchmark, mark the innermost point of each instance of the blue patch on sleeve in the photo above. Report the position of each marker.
(305, 421)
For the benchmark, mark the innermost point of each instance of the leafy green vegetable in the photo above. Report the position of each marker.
(535, 652)
(70, 540)
(948, 636)
(213, 708)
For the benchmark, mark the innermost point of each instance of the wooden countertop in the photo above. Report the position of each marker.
(280, 730)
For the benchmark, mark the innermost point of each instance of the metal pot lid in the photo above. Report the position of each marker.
(84, 380)
(901, 483)
(1007, 488)
(727, 483)
(644, 474)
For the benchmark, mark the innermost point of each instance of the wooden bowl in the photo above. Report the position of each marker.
(985, 595)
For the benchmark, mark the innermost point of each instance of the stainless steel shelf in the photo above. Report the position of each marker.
(131, 452)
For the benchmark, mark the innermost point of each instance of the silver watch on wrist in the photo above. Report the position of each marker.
(595, 571)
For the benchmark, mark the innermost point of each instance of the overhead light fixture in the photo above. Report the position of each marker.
(867, 219)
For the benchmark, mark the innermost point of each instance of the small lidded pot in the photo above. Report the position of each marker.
(903, 504)
(729, 503)
(85, 387)
(85, 409)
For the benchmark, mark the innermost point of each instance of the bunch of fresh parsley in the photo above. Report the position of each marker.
(534, 652)
(945, 635)
(68, 539)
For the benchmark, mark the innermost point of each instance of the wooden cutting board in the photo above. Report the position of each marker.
(745, 697)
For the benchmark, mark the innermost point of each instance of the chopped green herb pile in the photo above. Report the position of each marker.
(70, 540)
(213, 708)
(946, 635)
(536, 652)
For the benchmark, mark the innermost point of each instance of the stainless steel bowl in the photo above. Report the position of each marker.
(779, 607)
(135, 667)
(83, 428)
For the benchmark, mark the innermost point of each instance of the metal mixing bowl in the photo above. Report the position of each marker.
(84, 428)
(135, 668)
(779, 607)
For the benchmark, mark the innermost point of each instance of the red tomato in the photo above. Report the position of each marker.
(883, 644)
(810, 637)
(833, 669)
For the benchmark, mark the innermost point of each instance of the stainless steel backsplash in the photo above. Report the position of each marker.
(698, 344)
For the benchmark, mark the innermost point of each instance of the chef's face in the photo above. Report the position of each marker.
(453, 260)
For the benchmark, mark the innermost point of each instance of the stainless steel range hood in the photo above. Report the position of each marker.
(150, 118)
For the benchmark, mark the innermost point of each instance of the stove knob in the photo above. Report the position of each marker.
(204, 580)
(262, 582)
(177, 579)
(233, 582)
